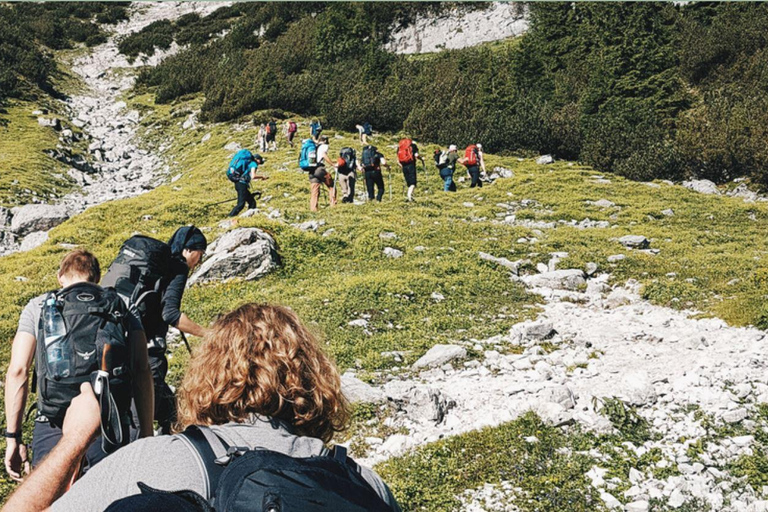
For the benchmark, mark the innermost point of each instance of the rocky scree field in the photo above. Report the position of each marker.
(560, 339)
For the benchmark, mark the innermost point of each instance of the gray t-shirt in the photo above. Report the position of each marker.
(167, 463)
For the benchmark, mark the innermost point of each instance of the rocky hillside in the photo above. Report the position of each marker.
(458, 28)
(560, 339)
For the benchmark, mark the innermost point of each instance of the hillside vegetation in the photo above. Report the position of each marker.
(648, 91)
(340, 273)
(29, 31)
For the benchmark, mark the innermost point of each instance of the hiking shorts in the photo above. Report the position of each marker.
(409, 172)
(270, 137)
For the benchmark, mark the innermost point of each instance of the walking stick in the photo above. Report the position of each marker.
(390, 184)
(186, 343)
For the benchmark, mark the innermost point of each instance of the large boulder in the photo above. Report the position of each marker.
(427, 404)
(33, 240)
(37, 217)
(246, 253)
(566, 279)
(634, 242)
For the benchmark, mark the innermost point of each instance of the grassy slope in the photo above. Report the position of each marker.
(332, 279)
(25, 172)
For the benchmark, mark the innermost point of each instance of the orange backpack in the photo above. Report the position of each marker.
(470, 155)
(405, 151)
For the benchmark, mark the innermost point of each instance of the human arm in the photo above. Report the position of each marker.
(255, 176)
(141, 381)
(49, 480)
(482, 160)
(185, 324)
(16, 392)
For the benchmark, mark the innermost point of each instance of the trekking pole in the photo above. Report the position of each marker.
(186, 343)
(390, 184)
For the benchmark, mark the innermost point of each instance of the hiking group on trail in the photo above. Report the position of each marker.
(259, 400)
(315, 160)
(258, 403)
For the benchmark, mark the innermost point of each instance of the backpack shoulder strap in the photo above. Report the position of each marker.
(207, 448)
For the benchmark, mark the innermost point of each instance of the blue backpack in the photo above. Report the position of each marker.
(308, 155)
(238, 166)
(316, 128)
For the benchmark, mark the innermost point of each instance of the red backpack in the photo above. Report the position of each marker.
(405, 151)
(470, 155)
(292, 127)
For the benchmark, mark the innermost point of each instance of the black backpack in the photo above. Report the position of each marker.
(367, 128)
(96, 339)
(272, 128)
(350, 160)
(369, 157)
(138, 275)
(239, 479)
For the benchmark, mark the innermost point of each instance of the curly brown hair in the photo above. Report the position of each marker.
(260, 359)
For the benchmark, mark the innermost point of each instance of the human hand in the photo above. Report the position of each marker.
(83, 418)
(16, 459)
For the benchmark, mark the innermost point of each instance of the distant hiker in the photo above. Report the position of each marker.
(242, 169)
(346, 169)
(313, 159)
(71, 333)
(365, 130)
(261, 138)
(446, 165)
(271, 136)
(260, 381)
(372, 161)
(290, 131)
(473, 160)
(407, 154)
(151, 276)
(315, 129)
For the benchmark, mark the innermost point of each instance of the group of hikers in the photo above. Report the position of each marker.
(258, 402)
(326, 171)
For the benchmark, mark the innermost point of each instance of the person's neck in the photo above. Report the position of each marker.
(66, 282)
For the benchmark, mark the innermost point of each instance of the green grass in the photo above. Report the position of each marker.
(26, 173)
(549, 472)
(330, 280)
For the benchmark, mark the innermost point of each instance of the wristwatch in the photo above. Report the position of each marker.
(13, 435)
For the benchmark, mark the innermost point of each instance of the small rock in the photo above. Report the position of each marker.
(439, 355)
(634, 242)
(702, 186)
(438, 297)
(387, 235)
(637, 506)
(591, 269)
(358, 391)
(735, 416)
(233, 146)
(566, 279)
(360, 322)
(669, 212)
(615, 258)
(391, 252)
(545, 159)
(676, 499)
(206, 138)
(602, 203)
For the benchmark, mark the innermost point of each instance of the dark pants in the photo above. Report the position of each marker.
(474, 173)
(45, 436)
(409, 173)
(243, 196)
(165, 400)
(374, 177)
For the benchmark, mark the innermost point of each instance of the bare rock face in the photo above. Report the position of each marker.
(460, 28)
(246, 253)
(37, 217)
